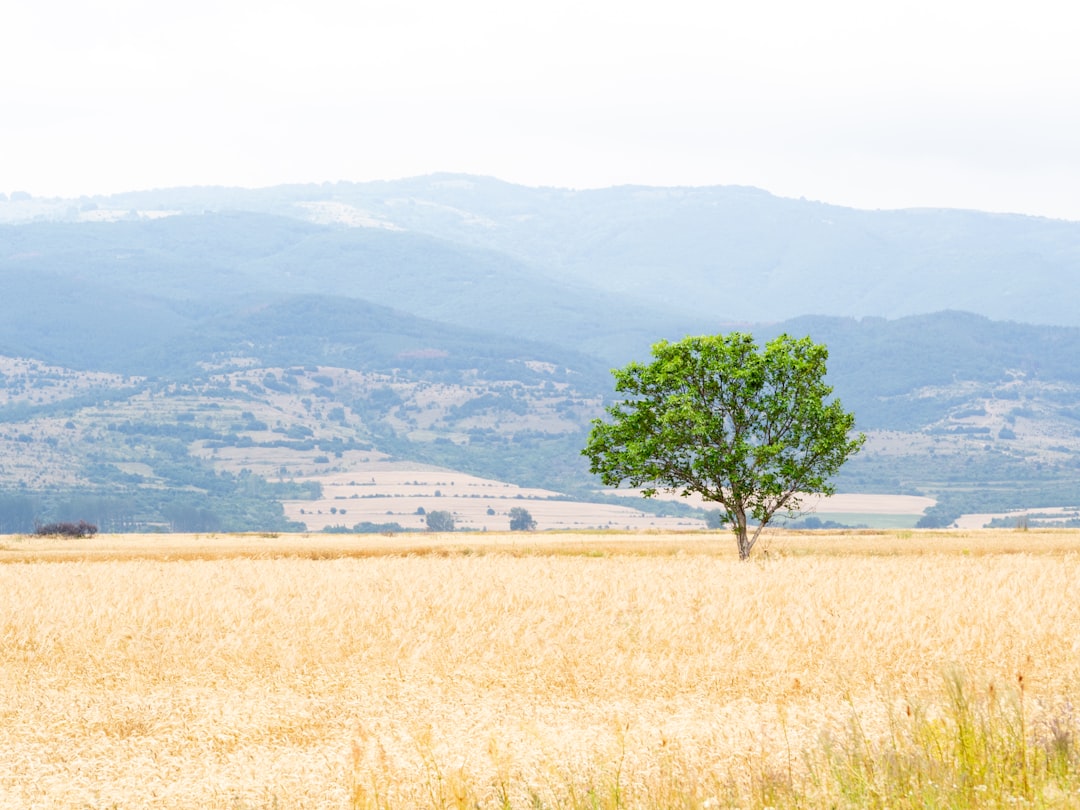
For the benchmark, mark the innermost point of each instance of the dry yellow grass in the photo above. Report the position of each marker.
(335, 672)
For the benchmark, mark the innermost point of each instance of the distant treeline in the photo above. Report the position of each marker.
(197, 500)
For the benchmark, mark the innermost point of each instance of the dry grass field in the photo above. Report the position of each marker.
(546, 670)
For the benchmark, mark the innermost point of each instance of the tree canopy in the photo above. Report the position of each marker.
(440, 521)
(748, 429)
(521, 520)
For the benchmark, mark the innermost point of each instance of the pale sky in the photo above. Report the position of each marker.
(966, 104)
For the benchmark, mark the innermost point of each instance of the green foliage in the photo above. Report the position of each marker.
(745, 428)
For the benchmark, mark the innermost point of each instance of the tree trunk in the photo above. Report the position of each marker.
(741, 535)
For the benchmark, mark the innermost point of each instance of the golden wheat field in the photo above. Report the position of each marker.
(505, 671)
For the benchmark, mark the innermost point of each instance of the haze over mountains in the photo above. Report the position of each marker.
(957, 328)
(720, 253)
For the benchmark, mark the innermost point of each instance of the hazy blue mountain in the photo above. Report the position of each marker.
(176, 269)
(731, 254)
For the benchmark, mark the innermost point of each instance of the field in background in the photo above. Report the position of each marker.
(522, 670)
(382, 492)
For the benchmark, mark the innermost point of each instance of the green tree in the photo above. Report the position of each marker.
(440, 521)
(750, 430)
(521, 520)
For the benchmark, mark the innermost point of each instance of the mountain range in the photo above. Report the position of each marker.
(723, 254)
(952, 334)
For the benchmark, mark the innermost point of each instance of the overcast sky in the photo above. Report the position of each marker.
(970, 104)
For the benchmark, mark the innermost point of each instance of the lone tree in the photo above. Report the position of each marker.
(748, 429)
(440, 521)
(521, 520)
